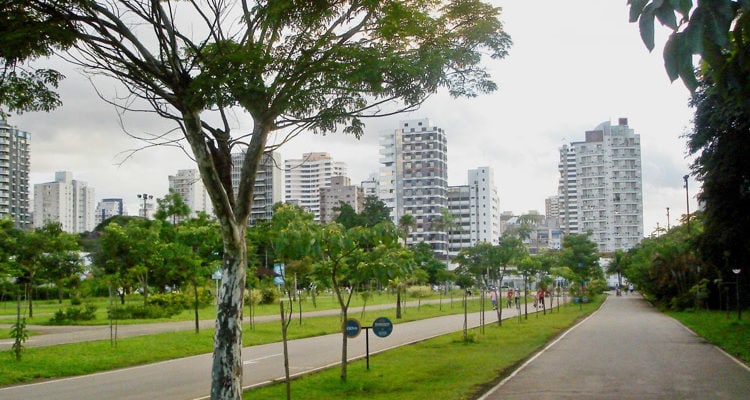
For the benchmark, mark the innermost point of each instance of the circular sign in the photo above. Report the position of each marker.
(352, 328)
(382, 327)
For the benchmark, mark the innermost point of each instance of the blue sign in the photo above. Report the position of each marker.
(352, 328)
(382, 327)
(216, 275)
(278, 269)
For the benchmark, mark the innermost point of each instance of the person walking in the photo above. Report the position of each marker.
(493, 298)
(509, 295)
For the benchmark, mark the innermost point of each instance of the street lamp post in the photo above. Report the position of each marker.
(737, 288)
(145, 197)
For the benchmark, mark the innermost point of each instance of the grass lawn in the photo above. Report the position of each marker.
(446, 367)
(721, 329)
(84, 358)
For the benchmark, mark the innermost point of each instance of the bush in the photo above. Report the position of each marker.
(74, 314)
(150, 311)
(253, 296)
(419, 291)
(269, 295)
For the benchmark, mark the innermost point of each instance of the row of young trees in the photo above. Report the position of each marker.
(486, 265)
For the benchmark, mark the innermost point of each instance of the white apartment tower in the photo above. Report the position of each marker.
(414, 179)
(608, 199)
(305, 176)
(475, 208)
(568, 190)
(15, 163)
(67, 201)
(189, 185)
(267, 189)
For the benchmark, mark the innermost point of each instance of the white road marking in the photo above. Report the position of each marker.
(255, 360)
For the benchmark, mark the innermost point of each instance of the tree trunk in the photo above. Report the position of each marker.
(500, 301)
(398, 303)
(343, 346)
(226, 371)
(196, 303)
(30, 298)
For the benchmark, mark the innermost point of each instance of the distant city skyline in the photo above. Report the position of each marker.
(572, 66)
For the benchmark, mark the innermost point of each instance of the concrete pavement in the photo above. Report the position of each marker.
(627, 350)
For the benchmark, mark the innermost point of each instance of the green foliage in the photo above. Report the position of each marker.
(581, 255)
(25, 35)
(20, 334)
(715, 30)
(419, 292)
(269, 295)
(182, 300)
(171, 206)
(74, 314)
(132, 311)
(665, 268)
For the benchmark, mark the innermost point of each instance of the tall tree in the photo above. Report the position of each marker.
(581, 255)
(719, 32)
(172, 206)
(292, 65)
(406, 224)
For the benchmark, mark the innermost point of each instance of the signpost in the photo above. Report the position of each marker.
(381, 327)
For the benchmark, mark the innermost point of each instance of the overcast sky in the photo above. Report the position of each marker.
(573, 65)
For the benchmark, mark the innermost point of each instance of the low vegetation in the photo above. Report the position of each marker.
(721, 328)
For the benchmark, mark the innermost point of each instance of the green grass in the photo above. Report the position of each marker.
(442, 368)
(720, 328)
(84, 358)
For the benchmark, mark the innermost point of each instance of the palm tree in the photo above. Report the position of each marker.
(405, 224)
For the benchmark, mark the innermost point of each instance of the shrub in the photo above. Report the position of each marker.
(269, 295)
(74, 314)
(151, 311)
(419, 291)
(253, 296)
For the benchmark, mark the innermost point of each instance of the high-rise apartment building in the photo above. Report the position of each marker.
(305, 176)
(189, 185)
(15, 163)
(475, 208)
(267, 189)
(107, 208)
(414, 179)
(340, 191)
(601, 188)
(67, 201)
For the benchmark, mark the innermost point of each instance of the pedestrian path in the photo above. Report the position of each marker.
(627, 350)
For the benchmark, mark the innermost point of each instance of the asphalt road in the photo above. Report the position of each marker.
(189, 378)
(47, 335)
(628, 350)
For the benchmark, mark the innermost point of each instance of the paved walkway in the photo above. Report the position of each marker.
(627, 350)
